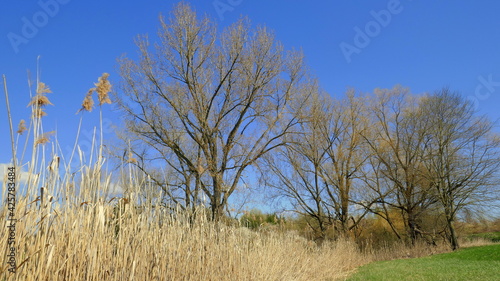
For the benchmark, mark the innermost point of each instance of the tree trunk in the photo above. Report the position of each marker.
(412, 228)
(217, 212)
(344, 215)
(216, 201)
(452, 237)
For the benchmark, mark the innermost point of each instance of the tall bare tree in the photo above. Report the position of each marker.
(294, 170)
(226, 96)
(397, 142)
(463, 155)
(318, 167)
(347, 154)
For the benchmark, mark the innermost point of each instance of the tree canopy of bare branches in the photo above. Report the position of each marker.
(217, 101)
(462, 155)
(397, 142)
(318, 167)
(429, 152)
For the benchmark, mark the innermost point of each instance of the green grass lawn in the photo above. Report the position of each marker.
(476, 263)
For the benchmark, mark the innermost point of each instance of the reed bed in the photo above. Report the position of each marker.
(71, 226)
(95, 242)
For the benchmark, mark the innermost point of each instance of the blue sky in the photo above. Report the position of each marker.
(423, 45)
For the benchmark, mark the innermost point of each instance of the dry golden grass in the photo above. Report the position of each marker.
(476, 241)
(401, 250)
(95, 242)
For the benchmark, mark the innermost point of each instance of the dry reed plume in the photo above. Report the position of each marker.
(103, 87)
(21, 128)
(40, 100)
(88, 102)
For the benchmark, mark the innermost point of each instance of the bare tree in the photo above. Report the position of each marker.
(294, 170)
(463, 155)
(346, 157)
(218, 102)
(318, 168)
(397, 142)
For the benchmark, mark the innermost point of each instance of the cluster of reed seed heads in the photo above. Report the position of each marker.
(88, 101)
(131, 158)
(40, 100)
(38, 104)
(44, 138)
(103, 88)
(21, 128)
